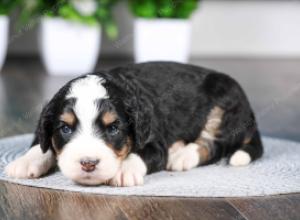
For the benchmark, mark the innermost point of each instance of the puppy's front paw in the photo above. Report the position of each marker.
(23, 168)
(127, 178)
(32, 165)
(184, 158)
(131, 172)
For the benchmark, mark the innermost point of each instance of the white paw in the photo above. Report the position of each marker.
(127, 178)
(184, 158)
(31, 165)
(131, 172)
(23, 168)
(240, 158)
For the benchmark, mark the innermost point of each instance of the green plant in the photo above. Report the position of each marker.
(90, 12)
(6, 6)
(163, 8)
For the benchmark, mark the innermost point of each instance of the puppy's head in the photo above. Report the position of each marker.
(89, 133)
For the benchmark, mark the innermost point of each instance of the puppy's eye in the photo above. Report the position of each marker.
(113, 129)
(66, 129)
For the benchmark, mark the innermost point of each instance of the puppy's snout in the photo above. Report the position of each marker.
(89, 165)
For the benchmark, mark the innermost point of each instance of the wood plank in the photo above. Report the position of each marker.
(281, 207)
(22, 202)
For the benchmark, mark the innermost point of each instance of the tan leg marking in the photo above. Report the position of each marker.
(204, 150)
(187, 157)
(209, 134)
(247, 140)
(214, 120)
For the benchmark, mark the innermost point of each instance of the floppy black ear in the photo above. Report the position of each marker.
(139, 106)
(136, 101)
(45, 127)
(124, 87)
(140, 112)
(44, 130)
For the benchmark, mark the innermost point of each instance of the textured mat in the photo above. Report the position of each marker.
(277, 172)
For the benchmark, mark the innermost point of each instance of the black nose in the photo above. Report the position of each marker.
(88, 165)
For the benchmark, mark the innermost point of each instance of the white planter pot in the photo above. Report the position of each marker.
(67, 47)
(162, 39)
(4, 30)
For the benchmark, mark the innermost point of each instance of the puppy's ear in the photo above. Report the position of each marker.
(140, 116)
(49, 113)
(136, 101)
(140, 110)
(44, 129)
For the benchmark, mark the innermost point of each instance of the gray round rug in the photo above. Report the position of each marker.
(278, 172)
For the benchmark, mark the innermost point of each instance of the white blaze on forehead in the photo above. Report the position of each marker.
(90, 88)
(86, 91)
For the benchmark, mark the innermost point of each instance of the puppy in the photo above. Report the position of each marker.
(116, 126)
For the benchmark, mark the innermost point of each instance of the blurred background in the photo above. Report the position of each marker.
(43, 44)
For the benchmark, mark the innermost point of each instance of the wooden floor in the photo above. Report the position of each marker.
(273, 87)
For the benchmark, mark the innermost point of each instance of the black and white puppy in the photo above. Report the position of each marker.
(116, 126)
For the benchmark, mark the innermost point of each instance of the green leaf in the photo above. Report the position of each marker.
(7, 6)
(166, 9)
(163, 8)
(144, 8)
(65, 9)
(102, 13)
(186, 8)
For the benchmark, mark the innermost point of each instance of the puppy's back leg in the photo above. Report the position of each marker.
(33, 164)
(251, 149)
(203, 150)
(191, 155)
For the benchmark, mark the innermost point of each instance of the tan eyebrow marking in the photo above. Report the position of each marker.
(68, 117)
(108, 118)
